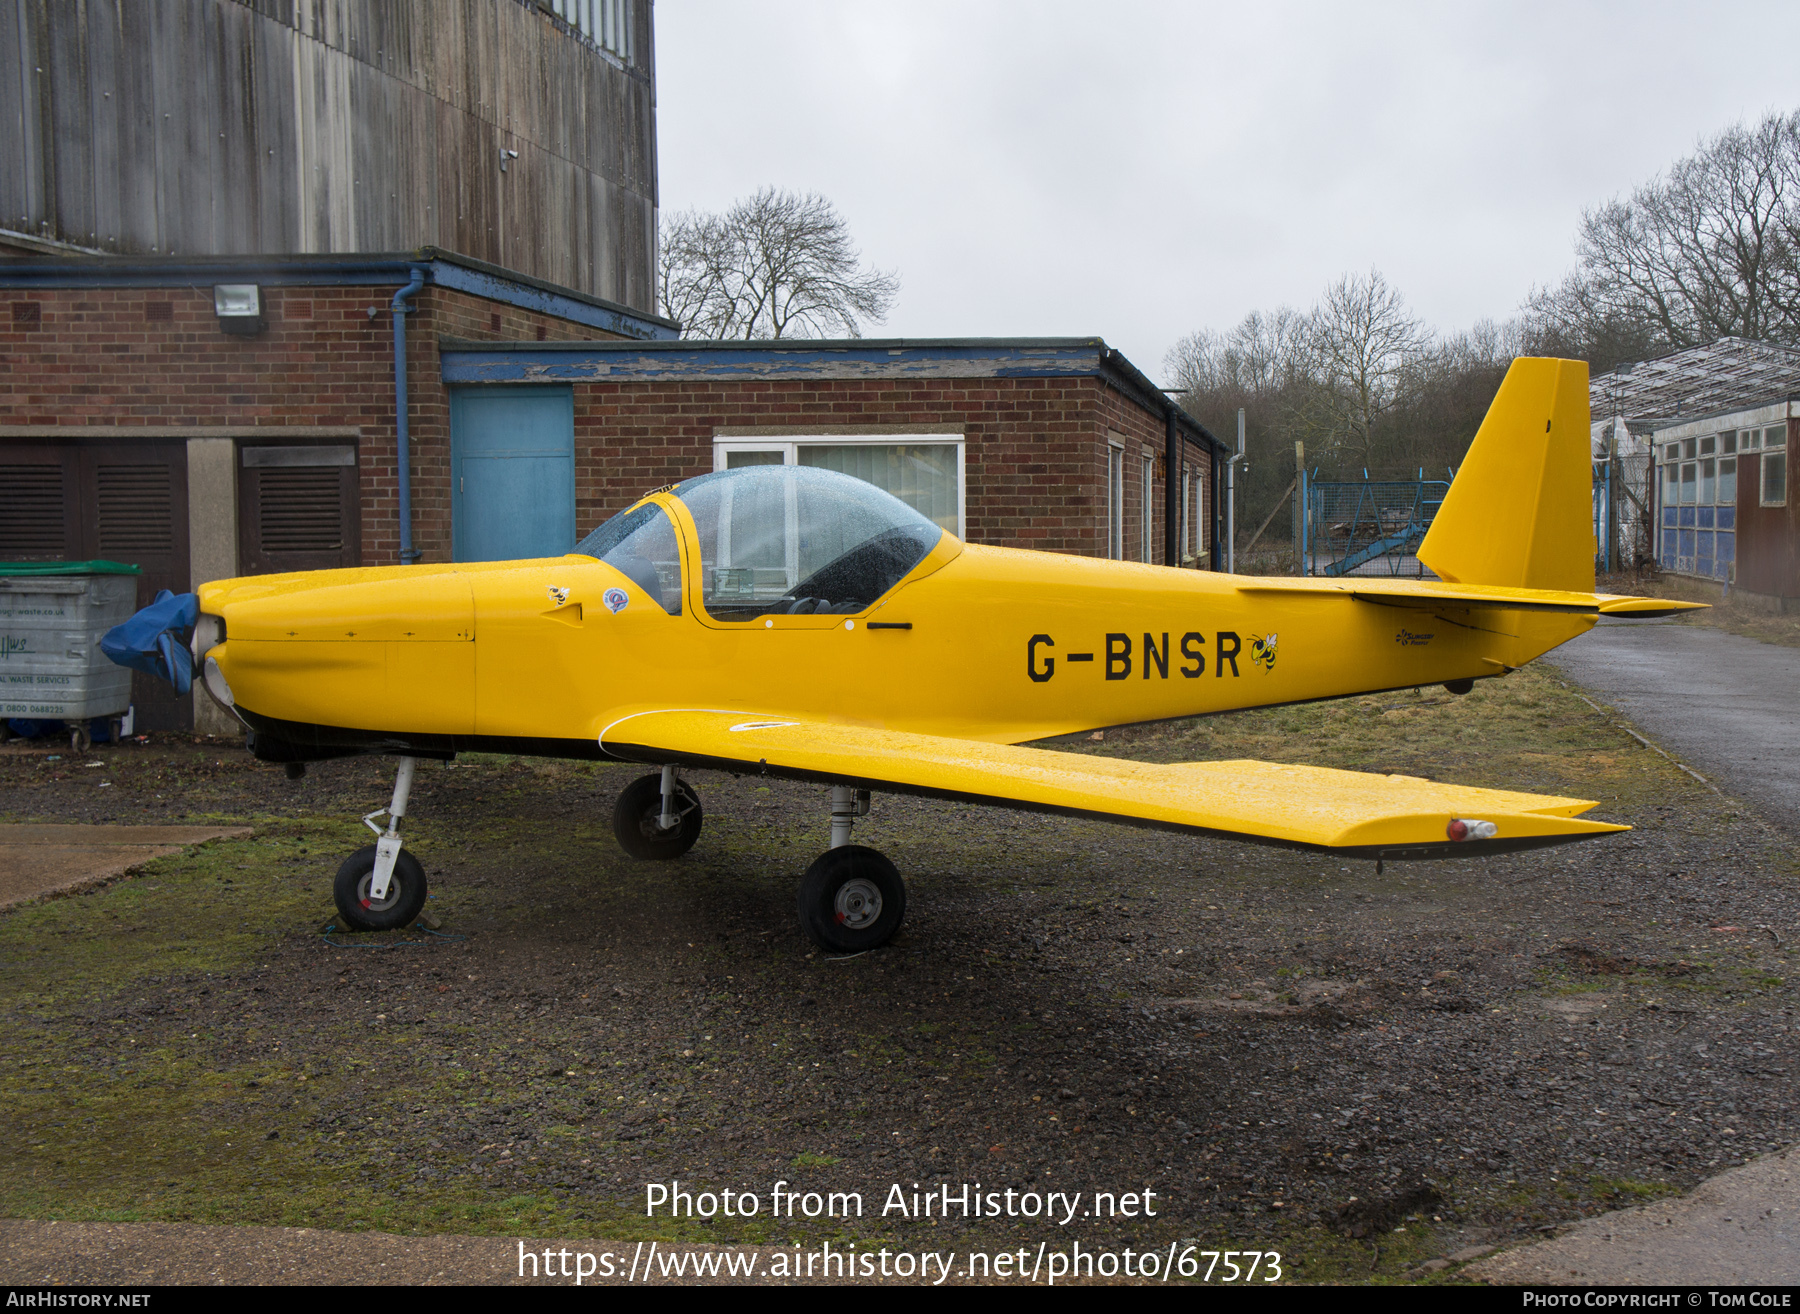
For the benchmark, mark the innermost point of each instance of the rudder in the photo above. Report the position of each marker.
(1520, 510)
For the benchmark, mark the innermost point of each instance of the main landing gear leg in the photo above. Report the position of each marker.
(382, 887)
(657, 817)
(852, 899)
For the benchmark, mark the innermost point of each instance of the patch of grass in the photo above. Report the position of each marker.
(811, 1160)
(1619, 1192)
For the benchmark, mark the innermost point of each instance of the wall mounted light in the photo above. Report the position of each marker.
(239, 308)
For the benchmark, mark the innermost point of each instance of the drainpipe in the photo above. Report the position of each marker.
(402, 438)
(1231, 500)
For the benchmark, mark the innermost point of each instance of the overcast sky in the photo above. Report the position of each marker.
(1142, 170)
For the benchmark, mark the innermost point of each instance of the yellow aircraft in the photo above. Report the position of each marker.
(805, 625)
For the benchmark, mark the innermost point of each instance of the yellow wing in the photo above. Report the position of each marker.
(1346, 812)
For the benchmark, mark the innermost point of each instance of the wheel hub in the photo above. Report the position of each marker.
(378, 905)
(858, 903)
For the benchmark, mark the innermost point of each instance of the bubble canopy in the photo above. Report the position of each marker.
(786, 540)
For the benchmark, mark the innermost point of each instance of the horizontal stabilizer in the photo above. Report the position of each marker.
(1303, 807)
(1431, 595)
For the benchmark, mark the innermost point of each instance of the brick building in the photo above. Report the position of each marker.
(207, 418)
(137, 423)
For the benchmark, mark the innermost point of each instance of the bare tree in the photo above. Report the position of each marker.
(1710, 249)
(1362, 347)
(777, 265)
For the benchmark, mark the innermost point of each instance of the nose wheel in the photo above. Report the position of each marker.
(381, 887)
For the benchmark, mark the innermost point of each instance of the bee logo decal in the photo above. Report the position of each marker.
(1262, 652)
(559, 596)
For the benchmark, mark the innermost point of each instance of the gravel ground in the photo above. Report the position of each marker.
(1291, 1051)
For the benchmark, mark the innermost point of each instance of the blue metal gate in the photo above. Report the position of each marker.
(1368, 527)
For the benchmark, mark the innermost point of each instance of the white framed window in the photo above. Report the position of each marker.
(1146, 510)
(1728, 481)
(1181, 536)
(1774, 476)
(1687, 484)
(1708, 484)
(923, 470)
(1775, 436)
(1115, 501)
(1197, 545)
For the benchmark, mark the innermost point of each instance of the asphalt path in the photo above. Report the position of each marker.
(1727, 706)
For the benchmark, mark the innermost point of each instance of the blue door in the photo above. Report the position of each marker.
(512, 472)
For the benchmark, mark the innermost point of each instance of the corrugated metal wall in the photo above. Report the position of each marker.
(197, 127)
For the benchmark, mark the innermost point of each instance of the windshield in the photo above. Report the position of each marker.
(784, 539)
(640, 544)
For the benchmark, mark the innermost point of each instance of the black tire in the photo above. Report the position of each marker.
(638, 810)
(405, 896)
(851, 899)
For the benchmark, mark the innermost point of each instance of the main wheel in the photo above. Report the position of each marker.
(851, 899)
(638, 814)
(401, 906)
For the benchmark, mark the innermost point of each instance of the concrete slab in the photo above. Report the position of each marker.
(1727, 706)
(36, 860)
(1740, 1228)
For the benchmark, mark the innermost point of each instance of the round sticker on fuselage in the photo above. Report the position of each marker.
(615, 600)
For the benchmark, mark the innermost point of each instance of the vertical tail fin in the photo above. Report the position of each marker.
(1520, 511)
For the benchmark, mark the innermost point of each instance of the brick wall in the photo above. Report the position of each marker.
(1035, 449)
(97, 358)
(117, 357)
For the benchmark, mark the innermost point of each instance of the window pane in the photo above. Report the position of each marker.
(1115, 503)
(1687, 449)
(1728, 442)
(1671, 483)
(1750, 440)
(1728, 481)
(922, 475)
(1687, 482)
(1672, 452)
(1144, 535)
(1774, 487)
(738, 460)
(1776, 436)
(1707, 444)
(1707, 486)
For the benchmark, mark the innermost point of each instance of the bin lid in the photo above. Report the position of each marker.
(21, 568)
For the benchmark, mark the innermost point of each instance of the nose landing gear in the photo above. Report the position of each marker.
(382, 887)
